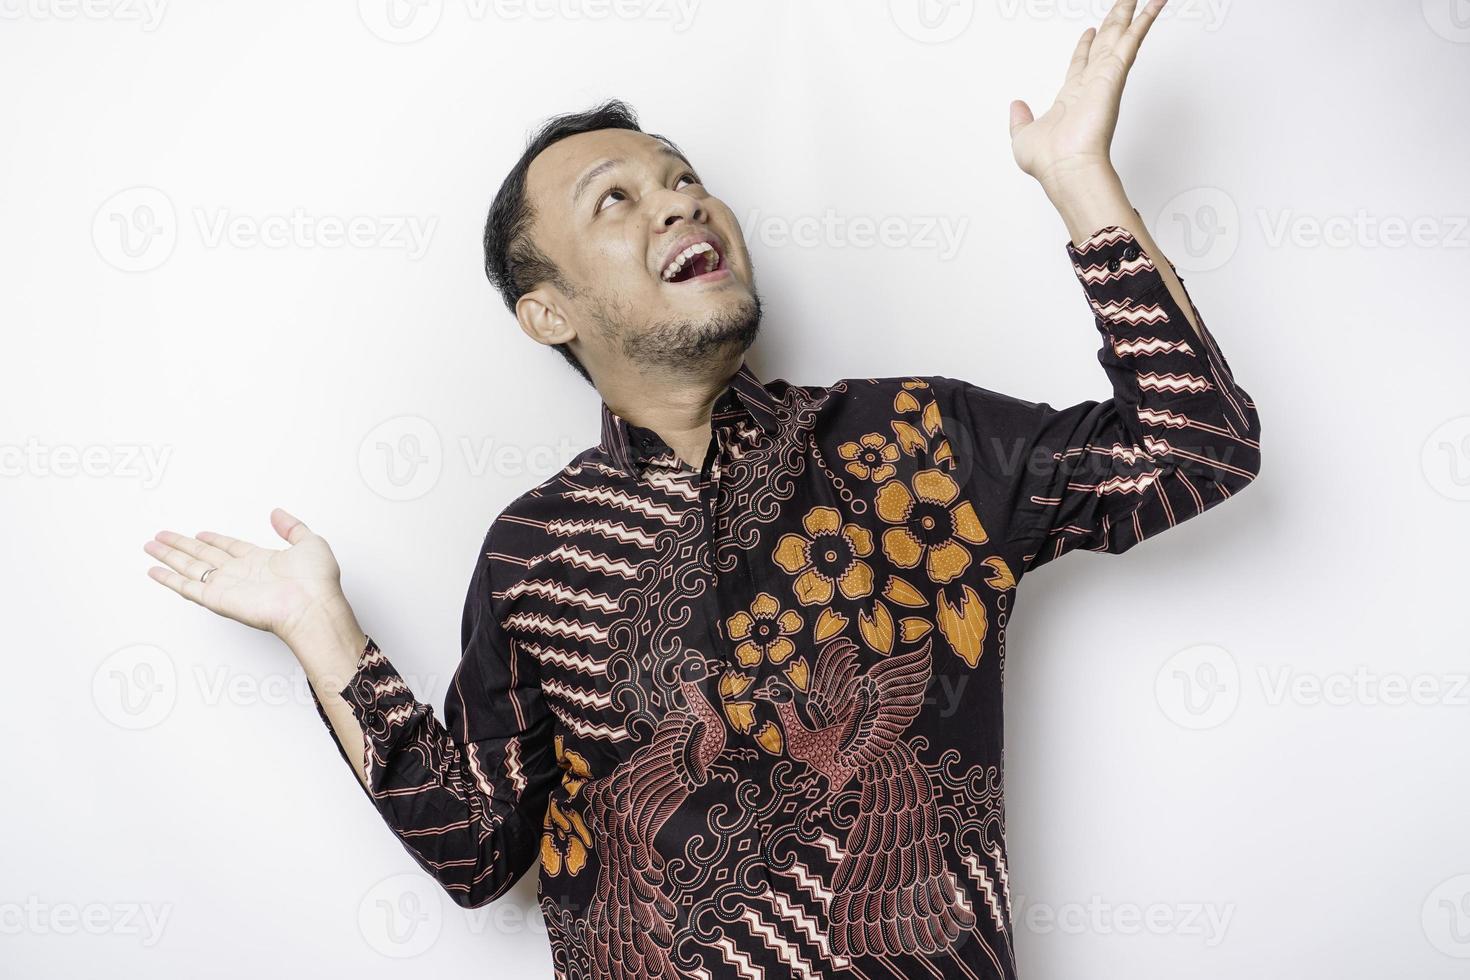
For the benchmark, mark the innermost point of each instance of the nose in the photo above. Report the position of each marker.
(679, 207)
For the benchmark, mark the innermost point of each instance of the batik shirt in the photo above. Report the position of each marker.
(745, 719)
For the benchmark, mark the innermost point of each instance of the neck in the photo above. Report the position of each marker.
(675, 405)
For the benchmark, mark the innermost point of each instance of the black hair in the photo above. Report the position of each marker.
(513, 263)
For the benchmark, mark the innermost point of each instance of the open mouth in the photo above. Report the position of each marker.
(698, 261)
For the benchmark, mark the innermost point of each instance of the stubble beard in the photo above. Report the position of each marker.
(684, 345)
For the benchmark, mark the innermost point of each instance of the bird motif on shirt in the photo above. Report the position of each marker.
(892, 892)
(632, 917)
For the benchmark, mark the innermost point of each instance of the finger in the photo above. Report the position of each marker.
(288, 526)
(1127, 46)
(230, 546)
(207, 553)
(177, 560)
(1113, 25)
(186, 587)
(1079, 55)
(1020, 116)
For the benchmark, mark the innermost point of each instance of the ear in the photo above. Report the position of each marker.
(540, 314)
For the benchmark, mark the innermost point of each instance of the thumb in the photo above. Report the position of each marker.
(288, 526)
(1020, 116)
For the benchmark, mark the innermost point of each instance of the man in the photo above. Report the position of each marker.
(699, 663)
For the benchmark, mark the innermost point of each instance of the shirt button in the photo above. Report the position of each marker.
(1130, 253)
(1114, 265)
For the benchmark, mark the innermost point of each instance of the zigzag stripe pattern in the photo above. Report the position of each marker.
(1144, 346)
(588, 729)
(998, 857)
(513, 770)
(829, 844)
(576, 469)
(625, 501)
(576, 695)
(810, 883)
(807, 926)
(744, 966)
(987, 887)
(1128, 454)
(540, 623)
(789, 954)
(1150, 381)
(1133, 483)
(1164, 418)
(1100, 274)
(569, 659)
(573, 555)
(616, 530)
(1178, 420)
(1157, 447)
(962, 896)
(390, 685)
(1126, 311)
(557, 592)
(1103, 239)
(674, 484)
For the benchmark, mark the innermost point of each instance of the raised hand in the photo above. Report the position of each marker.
(1076, 133)
(286, 592)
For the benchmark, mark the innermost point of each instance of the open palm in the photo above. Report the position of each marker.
(1077, 131)
(269, 589)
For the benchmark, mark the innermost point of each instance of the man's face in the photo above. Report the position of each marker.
(615, 210)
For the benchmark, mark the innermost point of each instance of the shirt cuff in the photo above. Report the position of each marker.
(1114, 270)
(373, 693)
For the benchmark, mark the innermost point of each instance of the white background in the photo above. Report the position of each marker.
(1209, 735)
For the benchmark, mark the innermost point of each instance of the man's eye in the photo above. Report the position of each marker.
(604, 199)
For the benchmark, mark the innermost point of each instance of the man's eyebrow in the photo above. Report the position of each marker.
(607, 165)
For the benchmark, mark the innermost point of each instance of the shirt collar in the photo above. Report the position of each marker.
(745, 396)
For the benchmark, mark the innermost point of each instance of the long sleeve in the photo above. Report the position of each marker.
(1177, 437)
(467, 798)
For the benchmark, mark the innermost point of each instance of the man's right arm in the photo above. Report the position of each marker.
(465, 797)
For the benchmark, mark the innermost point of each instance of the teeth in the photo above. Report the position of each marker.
(677, 265)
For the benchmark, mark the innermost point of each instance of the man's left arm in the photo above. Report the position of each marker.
(1179, 434)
